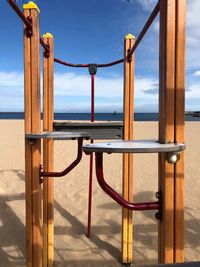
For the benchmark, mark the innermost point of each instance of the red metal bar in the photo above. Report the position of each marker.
(132, 50)
(92, 98)
(145, 29)
(91, 164)
(15, 7)
(26, 21)
(70, 64)
(87, 65)
(70, 167)
(115, 196)
(111, 63)
(45, 46)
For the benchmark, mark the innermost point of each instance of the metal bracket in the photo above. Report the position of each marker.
(129, 56)
(92, 69)
(29, 29)
(68, 169)
(31, 141)
(46, 53)
(40, 171)
(158, 214)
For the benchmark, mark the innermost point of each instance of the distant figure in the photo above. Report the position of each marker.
(115, 113)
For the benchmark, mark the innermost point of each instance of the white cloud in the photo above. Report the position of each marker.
(76, 89)
(72, 92)
(196, 73)
(69, 84)
(11, 79)
(193, 33)
(193, 91)
(79, 85)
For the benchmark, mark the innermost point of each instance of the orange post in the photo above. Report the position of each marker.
(166, 128)
(179, 128)
(32, 151)
(171, 128)
(48, 157)
(127, 231)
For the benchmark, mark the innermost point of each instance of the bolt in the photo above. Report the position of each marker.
(158, 195)
(172, 158)
(158, 215)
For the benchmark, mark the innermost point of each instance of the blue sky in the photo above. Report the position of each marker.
(92, 31)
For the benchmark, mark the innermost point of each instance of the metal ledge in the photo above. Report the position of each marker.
(137, 146)
(185, 264)
(58, 135)
(96, 130)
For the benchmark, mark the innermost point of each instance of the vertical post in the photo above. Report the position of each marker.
(48, 182)
(92, 71)
(127, 230)
(91, 163)
(92, 97)
(166, 128)
(179, 127)
(32, 125)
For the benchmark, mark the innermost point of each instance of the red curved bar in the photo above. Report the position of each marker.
(110, 64)
(70, 64)
(115, 196)
(70, 167)
(132, 50)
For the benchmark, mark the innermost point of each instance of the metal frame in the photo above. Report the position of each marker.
(171, 129)
(119, 199)
(69, 168)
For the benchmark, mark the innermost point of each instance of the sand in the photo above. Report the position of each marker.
(72, 247)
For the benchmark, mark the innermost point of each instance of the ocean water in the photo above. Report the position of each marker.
(98, 116)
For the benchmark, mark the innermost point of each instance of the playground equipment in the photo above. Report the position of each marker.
(170, 196)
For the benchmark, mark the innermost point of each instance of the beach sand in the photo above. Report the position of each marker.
(72, 247)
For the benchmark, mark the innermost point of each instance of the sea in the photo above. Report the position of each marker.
(98, 116)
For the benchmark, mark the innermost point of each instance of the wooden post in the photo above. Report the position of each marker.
(127, 230)
(179, 127)
(32, 151)
(48, 185)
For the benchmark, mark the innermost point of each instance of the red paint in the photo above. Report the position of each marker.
(115, 196)
(70, 167)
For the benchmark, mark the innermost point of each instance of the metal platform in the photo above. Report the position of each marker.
(137, 146)
(58, 135)
(96, 130)
(185, 264)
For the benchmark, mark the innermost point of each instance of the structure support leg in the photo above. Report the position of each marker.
(32, 152)
(171, 128)
(48, 182)
(127, 231)
(179, 128)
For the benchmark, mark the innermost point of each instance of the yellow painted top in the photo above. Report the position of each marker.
(31, 5)
(130, 36)
(47, 35)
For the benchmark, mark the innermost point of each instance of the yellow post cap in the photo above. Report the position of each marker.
(47, 35)
(31, 5)
(130, 36)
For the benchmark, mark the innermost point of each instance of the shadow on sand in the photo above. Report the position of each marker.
(12, 232)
